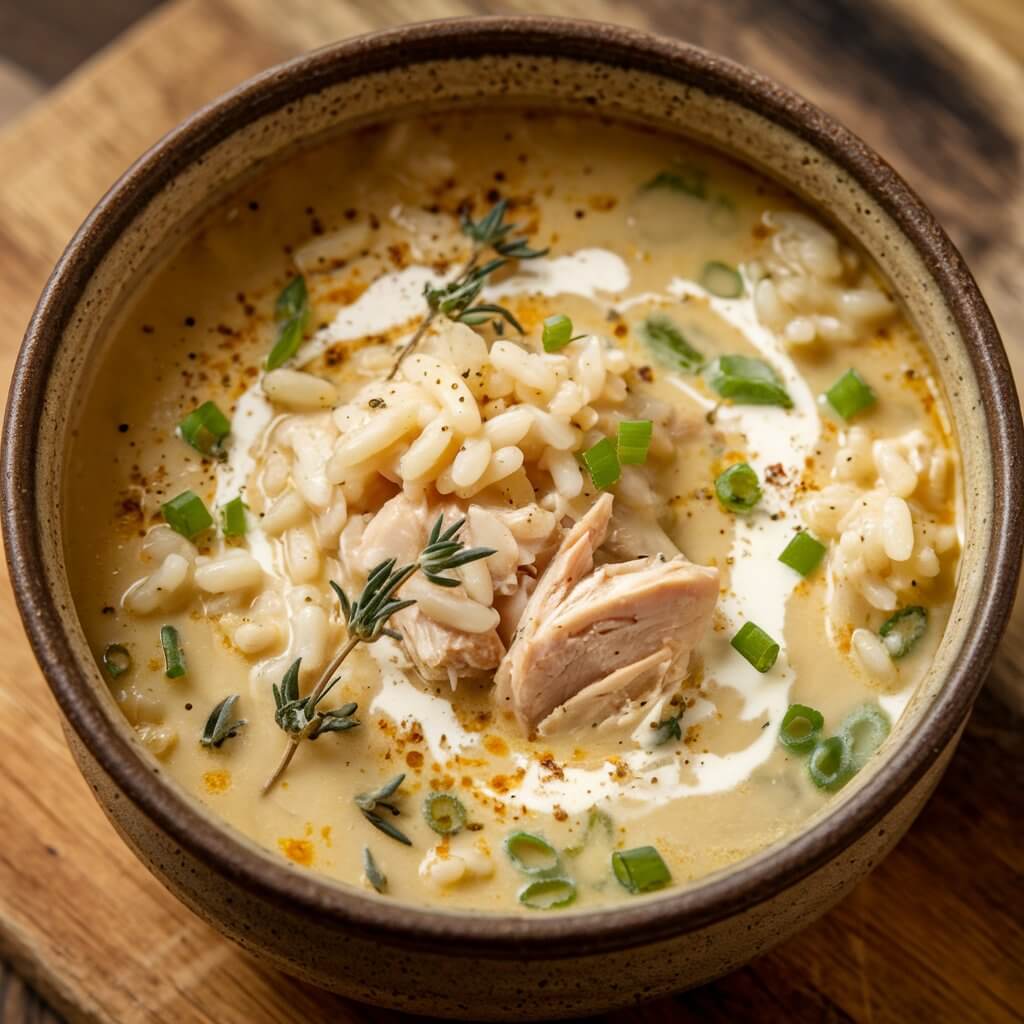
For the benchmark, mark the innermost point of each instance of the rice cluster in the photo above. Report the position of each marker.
(882, 514)
(487, 432)
(809, 286)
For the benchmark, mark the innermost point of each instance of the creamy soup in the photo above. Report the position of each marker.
(513, 510)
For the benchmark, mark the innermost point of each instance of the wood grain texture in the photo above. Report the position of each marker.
(935, 932)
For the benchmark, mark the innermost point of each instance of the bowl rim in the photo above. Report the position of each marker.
(762, 876)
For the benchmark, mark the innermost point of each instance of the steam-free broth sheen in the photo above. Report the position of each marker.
(631, 377)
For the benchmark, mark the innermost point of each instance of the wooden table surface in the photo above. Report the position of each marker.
(935, 933)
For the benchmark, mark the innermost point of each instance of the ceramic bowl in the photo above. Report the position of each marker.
(479, 966)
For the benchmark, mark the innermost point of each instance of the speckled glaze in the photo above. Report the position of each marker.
(510, 967)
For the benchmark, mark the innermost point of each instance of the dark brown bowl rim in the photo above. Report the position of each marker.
(686, 909)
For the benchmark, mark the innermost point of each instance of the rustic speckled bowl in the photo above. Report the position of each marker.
(475, 965)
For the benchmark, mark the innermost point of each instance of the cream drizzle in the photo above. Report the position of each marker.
(759, 587)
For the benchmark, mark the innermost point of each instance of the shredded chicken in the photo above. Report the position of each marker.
(438, 649)
(590, 640)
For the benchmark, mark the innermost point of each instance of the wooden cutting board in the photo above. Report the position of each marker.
(935, 932)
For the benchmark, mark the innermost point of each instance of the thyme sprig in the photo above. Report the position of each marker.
(458, 298)
(219, 725)
(369, 803)
(295, 714)
(366, 620)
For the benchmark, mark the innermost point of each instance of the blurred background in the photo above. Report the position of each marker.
(937, 86)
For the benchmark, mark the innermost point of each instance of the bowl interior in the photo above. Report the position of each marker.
(609, 71)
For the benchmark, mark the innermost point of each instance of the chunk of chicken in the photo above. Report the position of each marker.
(591, 641)
(447, 634)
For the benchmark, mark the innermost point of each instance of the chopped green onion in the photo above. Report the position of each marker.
(548, 894)
(756, 646)
(205, 429)
(557, 332)
(666, 731)
(186, 514)
(801, 728)
(747, 381)
(444, 813)
(174, 656)
(850, 395)
(292, 314)
(232, 518)
(634, 440)
(902, 630)
(722, 280)
(864, 731)
(641, 869)
(691, 181)
(668, 345)
(738, 488)
(602, 462)
(803, 553)
(530, 853)
(596, 818)
(829, 765)
(116, 659)
(374, 875)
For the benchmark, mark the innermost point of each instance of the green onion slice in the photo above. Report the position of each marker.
(530, 853)
(602, 462)
(596, 819)
(801, 728)
(688, 180)
(668, 344)
(374, 875)
(292, 314)
(116, 659)
(830, 766)
(722, 280)
(803, 554)
(205, 429)
(864, 731)
(747, 381)
(902, 630)
(186, 514)
(850, 395)
(640, 869)
(548, 894)
(445, 813)
(174, 656)
(756, 646)
(738, 488)
(232, 518)
(634, 440)
(557, 332)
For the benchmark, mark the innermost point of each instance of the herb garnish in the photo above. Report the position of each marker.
(291, 311)
(374, 875)
(365, 618)
(219, 726)
(370, 802)
(666, 731)
(457, 298)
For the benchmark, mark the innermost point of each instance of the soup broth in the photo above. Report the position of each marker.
(637, 374)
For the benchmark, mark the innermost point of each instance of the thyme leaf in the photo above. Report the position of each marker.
(374, 875)
(366, 619)
(666, 731)
(369, 803)
(457, 298)
(219, 725)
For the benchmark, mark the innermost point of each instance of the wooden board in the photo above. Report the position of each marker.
(935, 932)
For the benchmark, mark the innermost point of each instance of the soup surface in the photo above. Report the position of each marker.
(655, 454)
